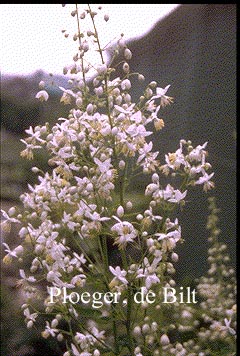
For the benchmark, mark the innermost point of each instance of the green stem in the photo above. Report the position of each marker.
(128, 321)
(129, 306)
(115, 330)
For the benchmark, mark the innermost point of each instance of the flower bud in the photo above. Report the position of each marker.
(38, 249)
(19, 250)
(164, 340)
(102, 69)
(23, 232)
(155, 178)
(35, 170)
(42, 95)
(60, 337)
(50, 276)
(89, 109)
(54, 323)
(99, 91)
(121, 164)
(30, 324)
(137, 350)
(141, 78)
(129, 205)
(41, 84)
(120, 211)
(126, 67)
(153, 84)
(145, 329)
(174, 257)
(12, 211)
(127, 53)
(121, 43)
(154, 326)
(137, 331)
(127, 98)
(118, 100)
(85, 46)
(126, 84)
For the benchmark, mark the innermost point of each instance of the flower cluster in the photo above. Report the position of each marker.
(80, 212)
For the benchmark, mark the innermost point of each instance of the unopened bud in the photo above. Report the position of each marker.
(174, 257)
(89, 109)
(164, 340)
(129, 205)
(127, 53)
(120, 211)
(121, 164)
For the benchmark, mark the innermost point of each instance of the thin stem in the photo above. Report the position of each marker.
(115, 329)
(128, 321)
(80, 44)
(96, 33)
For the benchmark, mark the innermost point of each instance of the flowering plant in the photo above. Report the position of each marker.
(96, 264)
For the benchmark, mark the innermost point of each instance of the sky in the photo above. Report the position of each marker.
(32, 37)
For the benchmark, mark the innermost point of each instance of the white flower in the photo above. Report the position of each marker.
(148, 272)
(178, 196)
(175, 234)
(119, 274)
(67, 220)
(205, 180)
(137, 130)
(34, 134)
(151, 279)
(8, 218)
(126, 232)
(67, 95)
(197, 153)
(78, 260)
(96, 333)
(42, 95)
(79, 280)
(150, 214)
(227, 326)
(174, 160)
(49, 330)
(17, 252)
(129, 110)
(30, 316)
(143, 151)
(30, 279)
(160, 93)
(103, 166)
(77, 353)
(95, 216)
(10, 252)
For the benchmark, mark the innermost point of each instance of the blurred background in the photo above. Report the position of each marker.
(190, 46)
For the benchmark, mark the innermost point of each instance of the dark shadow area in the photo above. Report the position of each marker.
(194, 50)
